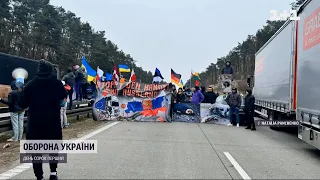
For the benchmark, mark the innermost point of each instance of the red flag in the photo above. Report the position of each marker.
(197, 83)
(116, 73)
(133, 76)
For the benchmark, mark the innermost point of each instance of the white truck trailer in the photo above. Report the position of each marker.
(286, 74)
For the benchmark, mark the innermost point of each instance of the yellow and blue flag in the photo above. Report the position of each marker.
(124, 68)
(90, 72)
(181, 83)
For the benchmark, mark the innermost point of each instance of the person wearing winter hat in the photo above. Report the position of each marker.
(234, 101)
(249, 110)
(43, 95)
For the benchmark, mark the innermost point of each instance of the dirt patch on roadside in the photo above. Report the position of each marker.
(76, 129)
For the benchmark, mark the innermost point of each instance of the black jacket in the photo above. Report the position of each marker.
(42, 96)
(13, 99)
(210, 97)
(69, 79)
(249, 103)
(180, 97)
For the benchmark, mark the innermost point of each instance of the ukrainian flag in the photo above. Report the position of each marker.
(90, 72)
(124, 68)
(181, 83)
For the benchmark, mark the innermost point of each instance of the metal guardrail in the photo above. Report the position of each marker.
(80, 109)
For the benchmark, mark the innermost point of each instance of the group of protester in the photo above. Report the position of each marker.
(77, 79)
(194, 95)
(199, 95)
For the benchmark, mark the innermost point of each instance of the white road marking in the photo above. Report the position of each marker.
(242, 173)
(19, 169)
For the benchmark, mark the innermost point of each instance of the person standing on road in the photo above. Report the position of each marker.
(203, 90)
(69, 78)
(234, 101)
(210, 96)
(16, 112)
(249, 110)
(180, 96)
(197, 96)
(43, 96)
(188, 93)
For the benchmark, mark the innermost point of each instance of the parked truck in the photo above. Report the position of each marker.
(287, 69)
(8, 63)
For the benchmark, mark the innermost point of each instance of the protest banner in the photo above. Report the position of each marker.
(132, 101)
(186, 112)
(214, 113)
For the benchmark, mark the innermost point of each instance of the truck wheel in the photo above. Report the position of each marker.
(271, 118)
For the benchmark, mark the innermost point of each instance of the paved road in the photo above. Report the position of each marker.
(191, 151)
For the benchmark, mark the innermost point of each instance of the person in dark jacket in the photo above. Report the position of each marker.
(180, 97)
(84, 84)
(210, 96)
(188, 93)
(16, 112)
(249, 109)
(43, 96)
(79, 77)
(228, 69)
(171, 89)
(69, 79)
(203, 90)
(234, 101)
(93, 89)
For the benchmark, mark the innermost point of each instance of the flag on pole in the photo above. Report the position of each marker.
(197, 83)
(133, 76)
(116, 73)
(90, 72)
(124, 68)
(99, 74)
(196, 76)
(181, 83)
(108, 77)
(157, 77)
(175, 78)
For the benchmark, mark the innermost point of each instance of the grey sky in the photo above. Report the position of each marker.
(177, 34)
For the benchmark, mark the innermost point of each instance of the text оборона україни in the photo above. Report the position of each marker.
(54, 150)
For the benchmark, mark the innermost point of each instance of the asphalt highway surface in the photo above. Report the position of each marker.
(152, 150)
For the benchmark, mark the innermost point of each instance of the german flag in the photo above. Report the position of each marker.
(175, 78)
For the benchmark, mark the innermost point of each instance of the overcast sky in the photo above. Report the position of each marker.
(177, 34)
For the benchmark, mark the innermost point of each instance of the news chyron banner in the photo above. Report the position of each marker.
(132, 101)
(54, 151)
